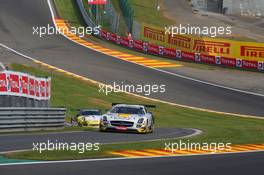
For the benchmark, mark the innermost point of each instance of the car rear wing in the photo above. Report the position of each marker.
(146, 105)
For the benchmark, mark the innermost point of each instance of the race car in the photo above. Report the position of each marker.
(89, 118)
(127, 117)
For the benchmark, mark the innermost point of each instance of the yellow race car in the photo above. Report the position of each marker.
(89, 118)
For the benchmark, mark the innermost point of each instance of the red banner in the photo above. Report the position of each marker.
(250, 64)
(138, 45)
(188, 56)
(209, 59)
(24, 85)
(124, 41)
(169, 52)
(3, 83)
(154, 49)
(32, 87)
(42, 88)
(231, 62)
(14, 83)
(112, 37)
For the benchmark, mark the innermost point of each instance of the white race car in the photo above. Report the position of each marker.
(126, 117)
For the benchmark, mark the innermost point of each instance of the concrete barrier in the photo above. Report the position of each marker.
(31, 119)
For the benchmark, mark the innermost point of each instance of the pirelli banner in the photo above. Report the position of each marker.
(244, 55)
(233, 53)
(24, 85)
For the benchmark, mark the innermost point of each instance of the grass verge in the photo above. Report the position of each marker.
(146, 12)
(75, 94)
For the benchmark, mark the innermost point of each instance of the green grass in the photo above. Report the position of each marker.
(75, 94)
(146, 12)
(69, 11)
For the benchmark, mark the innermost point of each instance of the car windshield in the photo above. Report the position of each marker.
(127, 110)
(90, 113)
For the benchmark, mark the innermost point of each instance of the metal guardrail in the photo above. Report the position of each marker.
(86, 17)
(15, 101)
(31, 119)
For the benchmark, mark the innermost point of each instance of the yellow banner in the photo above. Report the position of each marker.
(204, 45)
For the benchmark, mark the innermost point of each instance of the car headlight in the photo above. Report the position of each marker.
(141, 123)
(104, 120)
(140, 120)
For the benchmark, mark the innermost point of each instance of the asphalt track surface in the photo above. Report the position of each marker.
(22, 142)
(17, 19)
(231, 164)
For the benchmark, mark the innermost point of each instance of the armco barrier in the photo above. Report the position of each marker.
(86, 17)
(31, 119)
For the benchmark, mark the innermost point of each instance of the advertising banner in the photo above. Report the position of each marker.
(245, 55)
(138, 45)
(252, 51)
(154, 49)
(230, 62)
(24, 85)
(3, 83)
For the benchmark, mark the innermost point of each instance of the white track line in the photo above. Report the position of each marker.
(119, 158)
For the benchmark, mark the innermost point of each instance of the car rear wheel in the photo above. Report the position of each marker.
(151, 127)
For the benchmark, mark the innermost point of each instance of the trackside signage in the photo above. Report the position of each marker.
(217, 52)
(251, 51)
(24, 85)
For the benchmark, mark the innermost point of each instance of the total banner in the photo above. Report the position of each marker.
(24, 85)
(251, 51)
